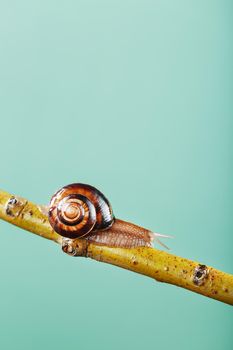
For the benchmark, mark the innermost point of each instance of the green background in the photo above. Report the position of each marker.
(135, 98)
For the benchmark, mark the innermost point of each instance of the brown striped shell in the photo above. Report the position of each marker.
(77, 209)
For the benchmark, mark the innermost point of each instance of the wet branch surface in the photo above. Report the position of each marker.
(154, 263)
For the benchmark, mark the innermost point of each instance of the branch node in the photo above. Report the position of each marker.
(14, 206)
(200, 274)
(74, 247)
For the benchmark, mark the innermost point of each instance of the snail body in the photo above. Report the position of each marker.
(122, 234)
(82, 211)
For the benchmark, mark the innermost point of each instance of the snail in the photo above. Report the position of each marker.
(82, 211)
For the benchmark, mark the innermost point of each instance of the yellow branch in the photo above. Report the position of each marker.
(160, 265)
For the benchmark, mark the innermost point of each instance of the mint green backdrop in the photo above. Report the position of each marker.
(134, 97)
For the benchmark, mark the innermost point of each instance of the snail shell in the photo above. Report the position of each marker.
(77, 209)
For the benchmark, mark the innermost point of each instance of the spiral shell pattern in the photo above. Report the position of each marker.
(77, 209)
